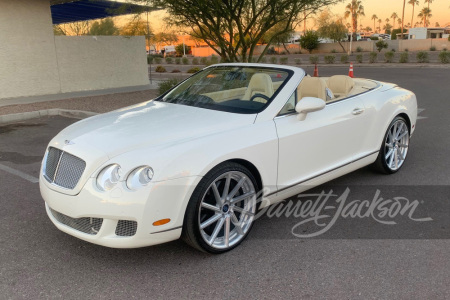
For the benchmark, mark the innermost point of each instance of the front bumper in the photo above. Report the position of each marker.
(159, 200)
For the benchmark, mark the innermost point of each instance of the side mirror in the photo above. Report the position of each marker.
(307, 105)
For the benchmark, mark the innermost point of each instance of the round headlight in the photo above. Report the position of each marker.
(139, 177)
(108, 177)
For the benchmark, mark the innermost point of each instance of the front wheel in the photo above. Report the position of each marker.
(394, 149)
(222, 209)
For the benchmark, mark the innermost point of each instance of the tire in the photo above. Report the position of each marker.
(393, 152)
(213, 212)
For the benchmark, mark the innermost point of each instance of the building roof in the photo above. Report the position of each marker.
(66, 11)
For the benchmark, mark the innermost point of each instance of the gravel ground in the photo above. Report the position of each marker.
(99, 104)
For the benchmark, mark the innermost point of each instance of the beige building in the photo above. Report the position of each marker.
(35, 62)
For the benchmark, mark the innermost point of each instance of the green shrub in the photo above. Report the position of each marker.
(333, 51)
(193, 70)
(404, 57)
(359, 58)
(214, 59)
(175, 71)
(160, 69)
(169, 60)
(203, 61)
(406, 50)
(158, 60)
(314, 59)
(195, 61)
(309, 41)
(393, 50)
(185, 61)
(444, 57)
(329, 59)
(373, 56)
(422, 57)
(389, 57)
(359, 49)
(433, 48)
(298, 61)
(381, 45)
(283, 60)
(149, 59)
(344, 58)
(273, 60)
(166, 85)
(178, 60)
(263, 60)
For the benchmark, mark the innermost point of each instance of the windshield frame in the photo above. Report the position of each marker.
(230, 109)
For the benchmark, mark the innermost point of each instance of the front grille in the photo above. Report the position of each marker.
(87, 225)
(126, 228)
(63, 169)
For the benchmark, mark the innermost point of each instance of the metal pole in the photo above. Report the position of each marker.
(184, 48)
(148, 42)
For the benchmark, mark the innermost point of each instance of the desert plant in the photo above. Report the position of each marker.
(406, 50)
(433, 48)
(298, 61)
(373, 57)
(422, 57)
(389, 57)
(393, 50)
(359, 49)
(359, 58)
(166, 85)
(203, 61)
(381, 45)
(193, 70)
(333, 51)
(444, 57)
(273, 60)
(329, 59)
(178, 60)
(158, 60)
(185, 61)
(214, 59)
(195, 61)
(344, 58)
(264, 60)
(309, 41)
(404, 58)
(175, 71)
(169, 60)
(314, 59)
(149, 59)
(160, 69)
(283, 60)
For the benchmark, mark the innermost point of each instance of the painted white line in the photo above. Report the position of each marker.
(419, 110)
(19, 173)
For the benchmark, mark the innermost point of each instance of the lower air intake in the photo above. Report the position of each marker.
(126, 228)
(87, 225)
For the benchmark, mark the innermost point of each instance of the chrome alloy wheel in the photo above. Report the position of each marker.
(397, 143)
(227, 210)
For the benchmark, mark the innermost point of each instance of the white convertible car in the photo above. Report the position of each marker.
(195, 162)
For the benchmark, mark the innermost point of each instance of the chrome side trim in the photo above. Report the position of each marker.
(179, 227)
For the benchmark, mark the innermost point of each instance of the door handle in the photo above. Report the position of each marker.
(358, 111)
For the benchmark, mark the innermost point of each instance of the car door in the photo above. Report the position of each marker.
(325, 140)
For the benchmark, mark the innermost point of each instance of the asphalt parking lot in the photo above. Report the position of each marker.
(360, 259)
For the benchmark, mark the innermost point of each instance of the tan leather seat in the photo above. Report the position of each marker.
(312, 87)
(340, 85)
(260, 83)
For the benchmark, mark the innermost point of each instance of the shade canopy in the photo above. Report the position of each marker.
(64, 11)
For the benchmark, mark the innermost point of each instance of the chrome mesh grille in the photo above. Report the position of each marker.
(126, 228)
(87, 225)
(63, 169)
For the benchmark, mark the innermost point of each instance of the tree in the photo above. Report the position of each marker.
(379, 25)
(180, 49)
(355, 10)
(57, 30)
(368, 29)
(331, 28)
(429, 1)
(74, 28)
(387, 28)
(413, 3)
(425, 15)
(309, 41)
(233, 28)
(162, 38)
(381, 45)
(104, 27)
(403, 16)
(374, 18)
(394, 16)
(272, 35)
(135, 27)
(437, 24)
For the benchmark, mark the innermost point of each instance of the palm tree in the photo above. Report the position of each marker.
(429, 1)
(374, 18)
(394, 16)
(403, 16)
(413, 3)
(355, 10)
(379, 26)
(424, 15)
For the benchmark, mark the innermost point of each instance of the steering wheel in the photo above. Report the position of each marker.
(260, 96)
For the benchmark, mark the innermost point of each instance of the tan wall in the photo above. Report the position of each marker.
(27, 49)
(424, 45)
(35, 62)
(90, 62)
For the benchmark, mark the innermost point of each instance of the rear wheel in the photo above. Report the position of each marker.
(221, 211)
(394, 149)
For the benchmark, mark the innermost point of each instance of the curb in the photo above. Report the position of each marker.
(76, 114)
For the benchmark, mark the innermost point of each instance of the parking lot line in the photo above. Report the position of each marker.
(21, 174)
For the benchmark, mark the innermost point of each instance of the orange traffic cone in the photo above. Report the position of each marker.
(316, 71)
(350, 72)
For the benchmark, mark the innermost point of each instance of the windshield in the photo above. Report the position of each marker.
(245, 90)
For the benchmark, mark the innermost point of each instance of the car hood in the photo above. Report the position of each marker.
(148, 124)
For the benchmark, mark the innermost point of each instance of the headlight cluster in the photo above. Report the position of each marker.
(108, 178)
